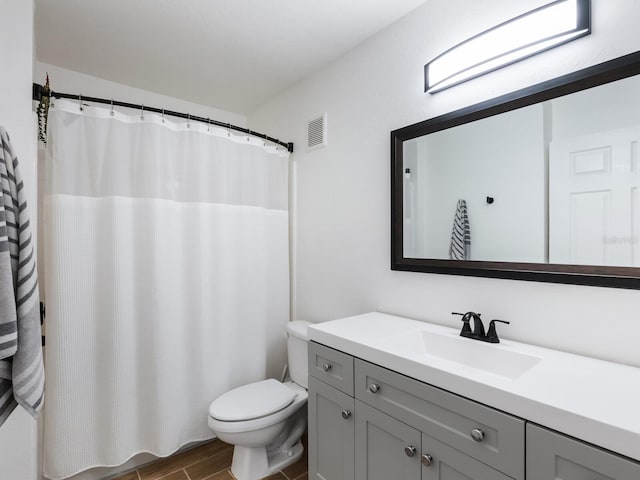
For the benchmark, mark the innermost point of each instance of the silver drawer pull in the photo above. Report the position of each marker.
(426, 459)
(326, 367)
(374, 387)
(477, 435)
(346, 414)
(410, 451)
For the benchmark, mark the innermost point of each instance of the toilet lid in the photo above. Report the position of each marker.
(251, 401)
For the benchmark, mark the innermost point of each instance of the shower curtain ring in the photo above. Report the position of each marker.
(208, 124)
(248, 135)
(112, 114)
(265, 140)
(163, 115)
(80, 102)
(228, 129)
(188, 120)
(141, 112)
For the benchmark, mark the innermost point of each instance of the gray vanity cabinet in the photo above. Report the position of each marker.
(553, 456)
(370, 423)
(385, 447)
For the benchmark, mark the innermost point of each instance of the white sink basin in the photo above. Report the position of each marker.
(496, 359)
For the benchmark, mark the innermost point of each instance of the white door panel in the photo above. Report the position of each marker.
(593, 199)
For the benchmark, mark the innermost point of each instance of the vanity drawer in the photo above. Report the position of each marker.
(332, 367)
(453, 420)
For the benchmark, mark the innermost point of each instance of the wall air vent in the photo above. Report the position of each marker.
(317, 132)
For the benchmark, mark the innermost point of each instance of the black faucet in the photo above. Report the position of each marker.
(478, 332)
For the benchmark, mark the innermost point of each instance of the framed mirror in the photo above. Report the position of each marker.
(540, 184)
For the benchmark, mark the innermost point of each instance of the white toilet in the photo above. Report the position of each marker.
(265, 420)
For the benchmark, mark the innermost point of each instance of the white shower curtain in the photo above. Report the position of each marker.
(166, 271)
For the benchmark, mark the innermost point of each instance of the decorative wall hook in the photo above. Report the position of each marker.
(44, 102)
(490, 200)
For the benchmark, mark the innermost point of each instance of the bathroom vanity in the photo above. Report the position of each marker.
(394, 398)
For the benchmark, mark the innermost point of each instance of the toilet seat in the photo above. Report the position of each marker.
(300, 396)
(248, 402)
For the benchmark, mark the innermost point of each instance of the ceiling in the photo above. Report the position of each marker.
(230, 54)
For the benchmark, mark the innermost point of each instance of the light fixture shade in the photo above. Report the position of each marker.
(521, 37)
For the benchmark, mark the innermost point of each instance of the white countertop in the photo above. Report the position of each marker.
(589, 399)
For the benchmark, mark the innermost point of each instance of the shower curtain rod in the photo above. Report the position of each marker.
(38, 92)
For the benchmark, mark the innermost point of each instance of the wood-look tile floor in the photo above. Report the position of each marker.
(210, 461)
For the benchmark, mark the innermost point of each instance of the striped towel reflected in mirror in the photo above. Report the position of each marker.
(460, 248)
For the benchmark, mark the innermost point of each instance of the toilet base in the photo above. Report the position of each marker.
(253, 463)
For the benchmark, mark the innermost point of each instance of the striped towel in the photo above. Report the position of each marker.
(21, 366)
(460, 248)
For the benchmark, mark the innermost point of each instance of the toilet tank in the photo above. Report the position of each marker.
(297, 352)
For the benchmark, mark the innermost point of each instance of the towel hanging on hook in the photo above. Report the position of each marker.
(460, 246)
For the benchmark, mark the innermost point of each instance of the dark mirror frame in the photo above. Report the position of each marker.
(605, 276)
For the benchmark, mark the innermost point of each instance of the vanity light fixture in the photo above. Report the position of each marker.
(541, 29)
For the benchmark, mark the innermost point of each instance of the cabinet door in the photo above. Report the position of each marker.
(386, 449)
(553, 456)
(331, 433)
(441, 462)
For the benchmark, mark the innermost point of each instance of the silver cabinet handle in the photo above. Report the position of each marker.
(410, 451)
(374, 387)
(346, 414)
(326, 367)
(426, 459)
(477, 435)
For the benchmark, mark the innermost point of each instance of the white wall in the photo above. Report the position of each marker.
(19, 435)
(342, 215)
(69, 81)
(607, 107)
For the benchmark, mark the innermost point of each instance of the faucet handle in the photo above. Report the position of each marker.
(492, 333)
(466, 328)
